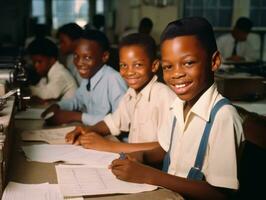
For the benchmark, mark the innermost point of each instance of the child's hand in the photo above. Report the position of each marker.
(72, 137)
(94, 141)
(129, 170)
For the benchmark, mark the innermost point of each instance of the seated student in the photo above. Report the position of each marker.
(189, 59)
(100, 90)
(235, 46)
(68, 35)
(56, 82)
(141, 110)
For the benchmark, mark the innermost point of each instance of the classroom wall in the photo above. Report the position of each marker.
(129, 13)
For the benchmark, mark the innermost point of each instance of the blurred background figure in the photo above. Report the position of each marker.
(68, 36)
(145, 26)
(236, 46)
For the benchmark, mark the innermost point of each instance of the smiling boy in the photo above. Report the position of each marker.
(100, 90)
(189, 59)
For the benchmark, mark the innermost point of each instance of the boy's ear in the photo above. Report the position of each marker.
(155, 65)
(105, 57)
(216, 61)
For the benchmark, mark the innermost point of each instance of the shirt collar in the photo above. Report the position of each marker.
(202, 107)
(97, 77)
(145, 92)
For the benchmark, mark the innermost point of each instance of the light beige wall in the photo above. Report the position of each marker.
(160, 17)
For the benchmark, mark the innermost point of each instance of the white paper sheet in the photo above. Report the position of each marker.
(68, 153)
(30, 113)
(51, 136)
(19, 191)
(77, 180)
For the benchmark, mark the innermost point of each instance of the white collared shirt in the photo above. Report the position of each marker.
(143, 113)
(246, 49)
(58, 84)
(220, 162)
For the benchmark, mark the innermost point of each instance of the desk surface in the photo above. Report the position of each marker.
(24, 171)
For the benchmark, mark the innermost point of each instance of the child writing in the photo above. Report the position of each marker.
(56, 82)
(141, 110)
(101, 87)
(189, 58)
(68, 35)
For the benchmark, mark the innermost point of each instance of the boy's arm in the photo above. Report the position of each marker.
(94, 141)
(133, 171)
(64, 117)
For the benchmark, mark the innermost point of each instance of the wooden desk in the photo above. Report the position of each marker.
(24, 171)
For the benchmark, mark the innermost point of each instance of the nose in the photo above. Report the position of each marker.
(78, 62)
(178, 72)
(130, 71)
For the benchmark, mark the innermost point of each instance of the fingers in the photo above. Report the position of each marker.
(72, 137)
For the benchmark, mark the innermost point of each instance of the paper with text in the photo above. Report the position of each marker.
(43, 191)
(51, 136)
(68, 153)
(30, 113)
(77, 180)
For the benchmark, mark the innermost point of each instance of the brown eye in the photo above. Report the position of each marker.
(166, 67)
(189, 63)
(122, 65)
(137, 65)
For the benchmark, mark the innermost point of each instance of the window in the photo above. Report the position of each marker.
(38, 11)
(218, 12)
(99, 7)
(258, 12)
(70, 11)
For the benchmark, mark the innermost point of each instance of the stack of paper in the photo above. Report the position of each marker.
(77, 180)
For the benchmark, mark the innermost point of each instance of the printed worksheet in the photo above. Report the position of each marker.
(43, 191)
(82, 180)
(71, 154)
(51, 136)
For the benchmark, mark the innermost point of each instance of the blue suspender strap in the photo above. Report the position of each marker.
(166, 160)
(195, 172)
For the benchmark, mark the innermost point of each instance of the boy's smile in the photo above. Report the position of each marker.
(135, 66)
(187, 67)
(88, 58)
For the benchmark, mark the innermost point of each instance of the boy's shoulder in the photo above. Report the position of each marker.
(108, 71)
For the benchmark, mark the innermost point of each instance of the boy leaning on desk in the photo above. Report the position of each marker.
(200, 142)
(101, 87)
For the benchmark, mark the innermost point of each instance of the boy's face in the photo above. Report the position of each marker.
(42, 63)
(89, 57)
(136, 67)
(187, 68)
(66, 44)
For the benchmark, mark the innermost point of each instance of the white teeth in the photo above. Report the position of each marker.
(180, 86)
